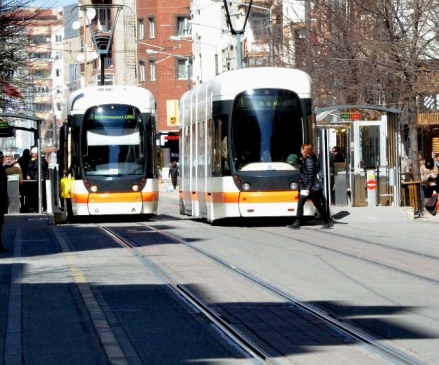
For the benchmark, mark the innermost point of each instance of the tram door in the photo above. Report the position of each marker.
(367, 152)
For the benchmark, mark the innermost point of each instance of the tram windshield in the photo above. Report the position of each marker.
(112, 141)
(267, 126)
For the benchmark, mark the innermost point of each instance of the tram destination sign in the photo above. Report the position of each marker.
(350, 116)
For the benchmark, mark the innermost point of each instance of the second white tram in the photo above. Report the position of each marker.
(237, 131)
(109, 151)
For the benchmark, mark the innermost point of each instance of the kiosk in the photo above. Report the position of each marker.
(367, 136)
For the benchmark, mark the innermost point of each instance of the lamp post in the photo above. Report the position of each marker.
(101, 40)
(237, 32)
(152, 51)
(270, 28)
(177, 38)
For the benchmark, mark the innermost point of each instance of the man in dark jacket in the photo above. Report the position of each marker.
(4, 199)
(173, 173)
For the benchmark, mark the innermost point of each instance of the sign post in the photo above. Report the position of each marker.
(371, 186)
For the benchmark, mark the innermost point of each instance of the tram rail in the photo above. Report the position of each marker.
(357, 336)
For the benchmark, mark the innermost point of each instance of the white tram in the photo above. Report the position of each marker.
(237, 131)
(108, 151)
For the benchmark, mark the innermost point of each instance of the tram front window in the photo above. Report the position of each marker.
(112, 141)
(267, 126)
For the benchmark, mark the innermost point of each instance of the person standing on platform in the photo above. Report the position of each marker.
(4, 199)
(23, 161)
(12, 167)
(429, 173)
(308, 175)
(32, 174)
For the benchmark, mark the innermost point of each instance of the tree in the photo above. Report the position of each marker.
(14, 54)
(381, 52)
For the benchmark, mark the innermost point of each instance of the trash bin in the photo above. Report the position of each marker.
(29, 196)
(412, 196)
(14, 194)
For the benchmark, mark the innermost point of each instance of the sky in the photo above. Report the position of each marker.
(53, 3)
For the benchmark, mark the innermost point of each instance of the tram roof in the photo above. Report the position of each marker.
(231, 83)
(83, 99)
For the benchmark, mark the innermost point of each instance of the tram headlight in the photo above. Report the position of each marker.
(93, 188)
(246, 186)
(135, 187)
(294, 186)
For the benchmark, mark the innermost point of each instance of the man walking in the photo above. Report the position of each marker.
(4, 199)
(173, 173)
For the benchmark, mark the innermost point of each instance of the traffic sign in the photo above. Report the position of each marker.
(371, 184)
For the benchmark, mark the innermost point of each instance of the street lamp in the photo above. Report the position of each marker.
(177, 38)
(101, 40)
(152, 51)
(237, 32)
(270, 28)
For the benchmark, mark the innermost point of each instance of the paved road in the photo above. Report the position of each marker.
(64, 291)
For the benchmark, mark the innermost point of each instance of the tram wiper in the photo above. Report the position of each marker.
(133, 166)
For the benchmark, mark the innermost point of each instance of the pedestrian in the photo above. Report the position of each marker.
(32, 170)
(336, 155)
(4, 199)
(12, 167)
(308, 176)
(32, 174)
(429, 173)
(174, 173)
(23, 161)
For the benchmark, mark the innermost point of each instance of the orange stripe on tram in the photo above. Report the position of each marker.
(268, 197)
(110, 198)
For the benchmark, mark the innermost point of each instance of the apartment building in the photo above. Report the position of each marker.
(165, 67)
(43, 77)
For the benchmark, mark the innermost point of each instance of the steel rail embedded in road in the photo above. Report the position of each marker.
(318, 313)
(238, 338)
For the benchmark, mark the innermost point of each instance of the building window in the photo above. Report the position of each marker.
(58, 38)
(182, 69)
(108, 79)
(184, 28)
(140, 29)
(42, 108)
(151, 23)
(142, 77)
(152, 74)
(259, 23)
(41, 56)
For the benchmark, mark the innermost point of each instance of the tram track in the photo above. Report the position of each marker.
(234, 335)
(347, 330)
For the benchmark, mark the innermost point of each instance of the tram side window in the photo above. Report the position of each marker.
(220, 153)
(225, 155)
(216, 148)
(75, 168)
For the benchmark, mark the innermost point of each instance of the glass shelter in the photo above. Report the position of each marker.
(368, 140)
